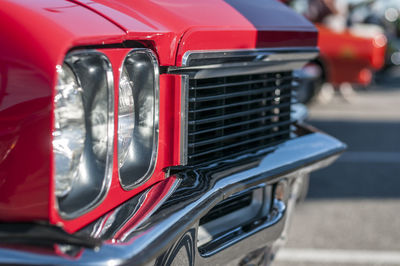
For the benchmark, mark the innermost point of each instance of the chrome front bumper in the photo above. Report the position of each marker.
(169, 230)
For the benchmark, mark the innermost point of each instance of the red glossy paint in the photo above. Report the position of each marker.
(348, 57)
(155, 196)
(36, 35)
(230, 24)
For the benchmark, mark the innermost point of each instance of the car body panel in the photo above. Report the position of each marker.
(192, 25)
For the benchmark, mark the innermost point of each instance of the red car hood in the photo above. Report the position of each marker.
(176, 26)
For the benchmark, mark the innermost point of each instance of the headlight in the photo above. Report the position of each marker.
(69, 129)
(83, 132)
(126, 116)
(137, 118)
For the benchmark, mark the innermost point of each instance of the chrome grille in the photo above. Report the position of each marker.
(236, 102)
(231, 115)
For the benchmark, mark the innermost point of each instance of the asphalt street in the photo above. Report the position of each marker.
(352, 212)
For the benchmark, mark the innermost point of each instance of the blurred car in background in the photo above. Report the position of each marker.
(344, 58)
(384, 14)
(348, 55)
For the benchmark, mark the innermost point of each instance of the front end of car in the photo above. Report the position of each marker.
(136, 138)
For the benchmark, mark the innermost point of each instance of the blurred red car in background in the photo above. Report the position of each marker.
(348, 55)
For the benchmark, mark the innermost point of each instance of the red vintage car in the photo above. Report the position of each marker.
(151, 132)
(350, 57)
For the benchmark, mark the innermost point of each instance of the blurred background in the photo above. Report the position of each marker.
(351, 215)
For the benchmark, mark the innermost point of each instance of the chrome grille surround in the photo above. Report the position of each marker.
(235, 102)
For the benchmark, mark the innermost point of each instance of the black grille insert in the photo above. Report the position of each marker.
(231, 115)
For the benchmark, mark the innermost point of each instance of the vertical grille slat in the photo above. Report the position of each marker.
(232, 115)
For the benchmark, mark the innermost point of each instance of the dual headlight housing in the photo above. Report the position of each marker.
(83, 135)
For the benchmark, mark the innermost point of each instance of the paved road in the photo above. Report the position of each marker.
(352, 213)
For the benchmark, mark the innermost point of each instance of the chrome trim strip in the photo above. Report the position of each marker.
(154, 156)
(183, 120)
(242, 69)
(205, 54)
(183, 210)
(256, 57)
(264, 61)
(212, 54)
(110, 142)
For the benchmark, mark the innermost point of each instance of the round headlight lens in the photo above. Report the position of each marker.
(69, 132)
(126, 118)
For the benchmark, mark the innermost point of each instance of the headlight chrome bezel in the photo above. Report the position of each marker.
(151, 71)
(156, 92)
(104, 184)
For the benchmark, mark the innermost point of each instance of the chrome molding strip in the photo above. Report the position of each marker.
(278, 52)
(210, 64)
(184, 120)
